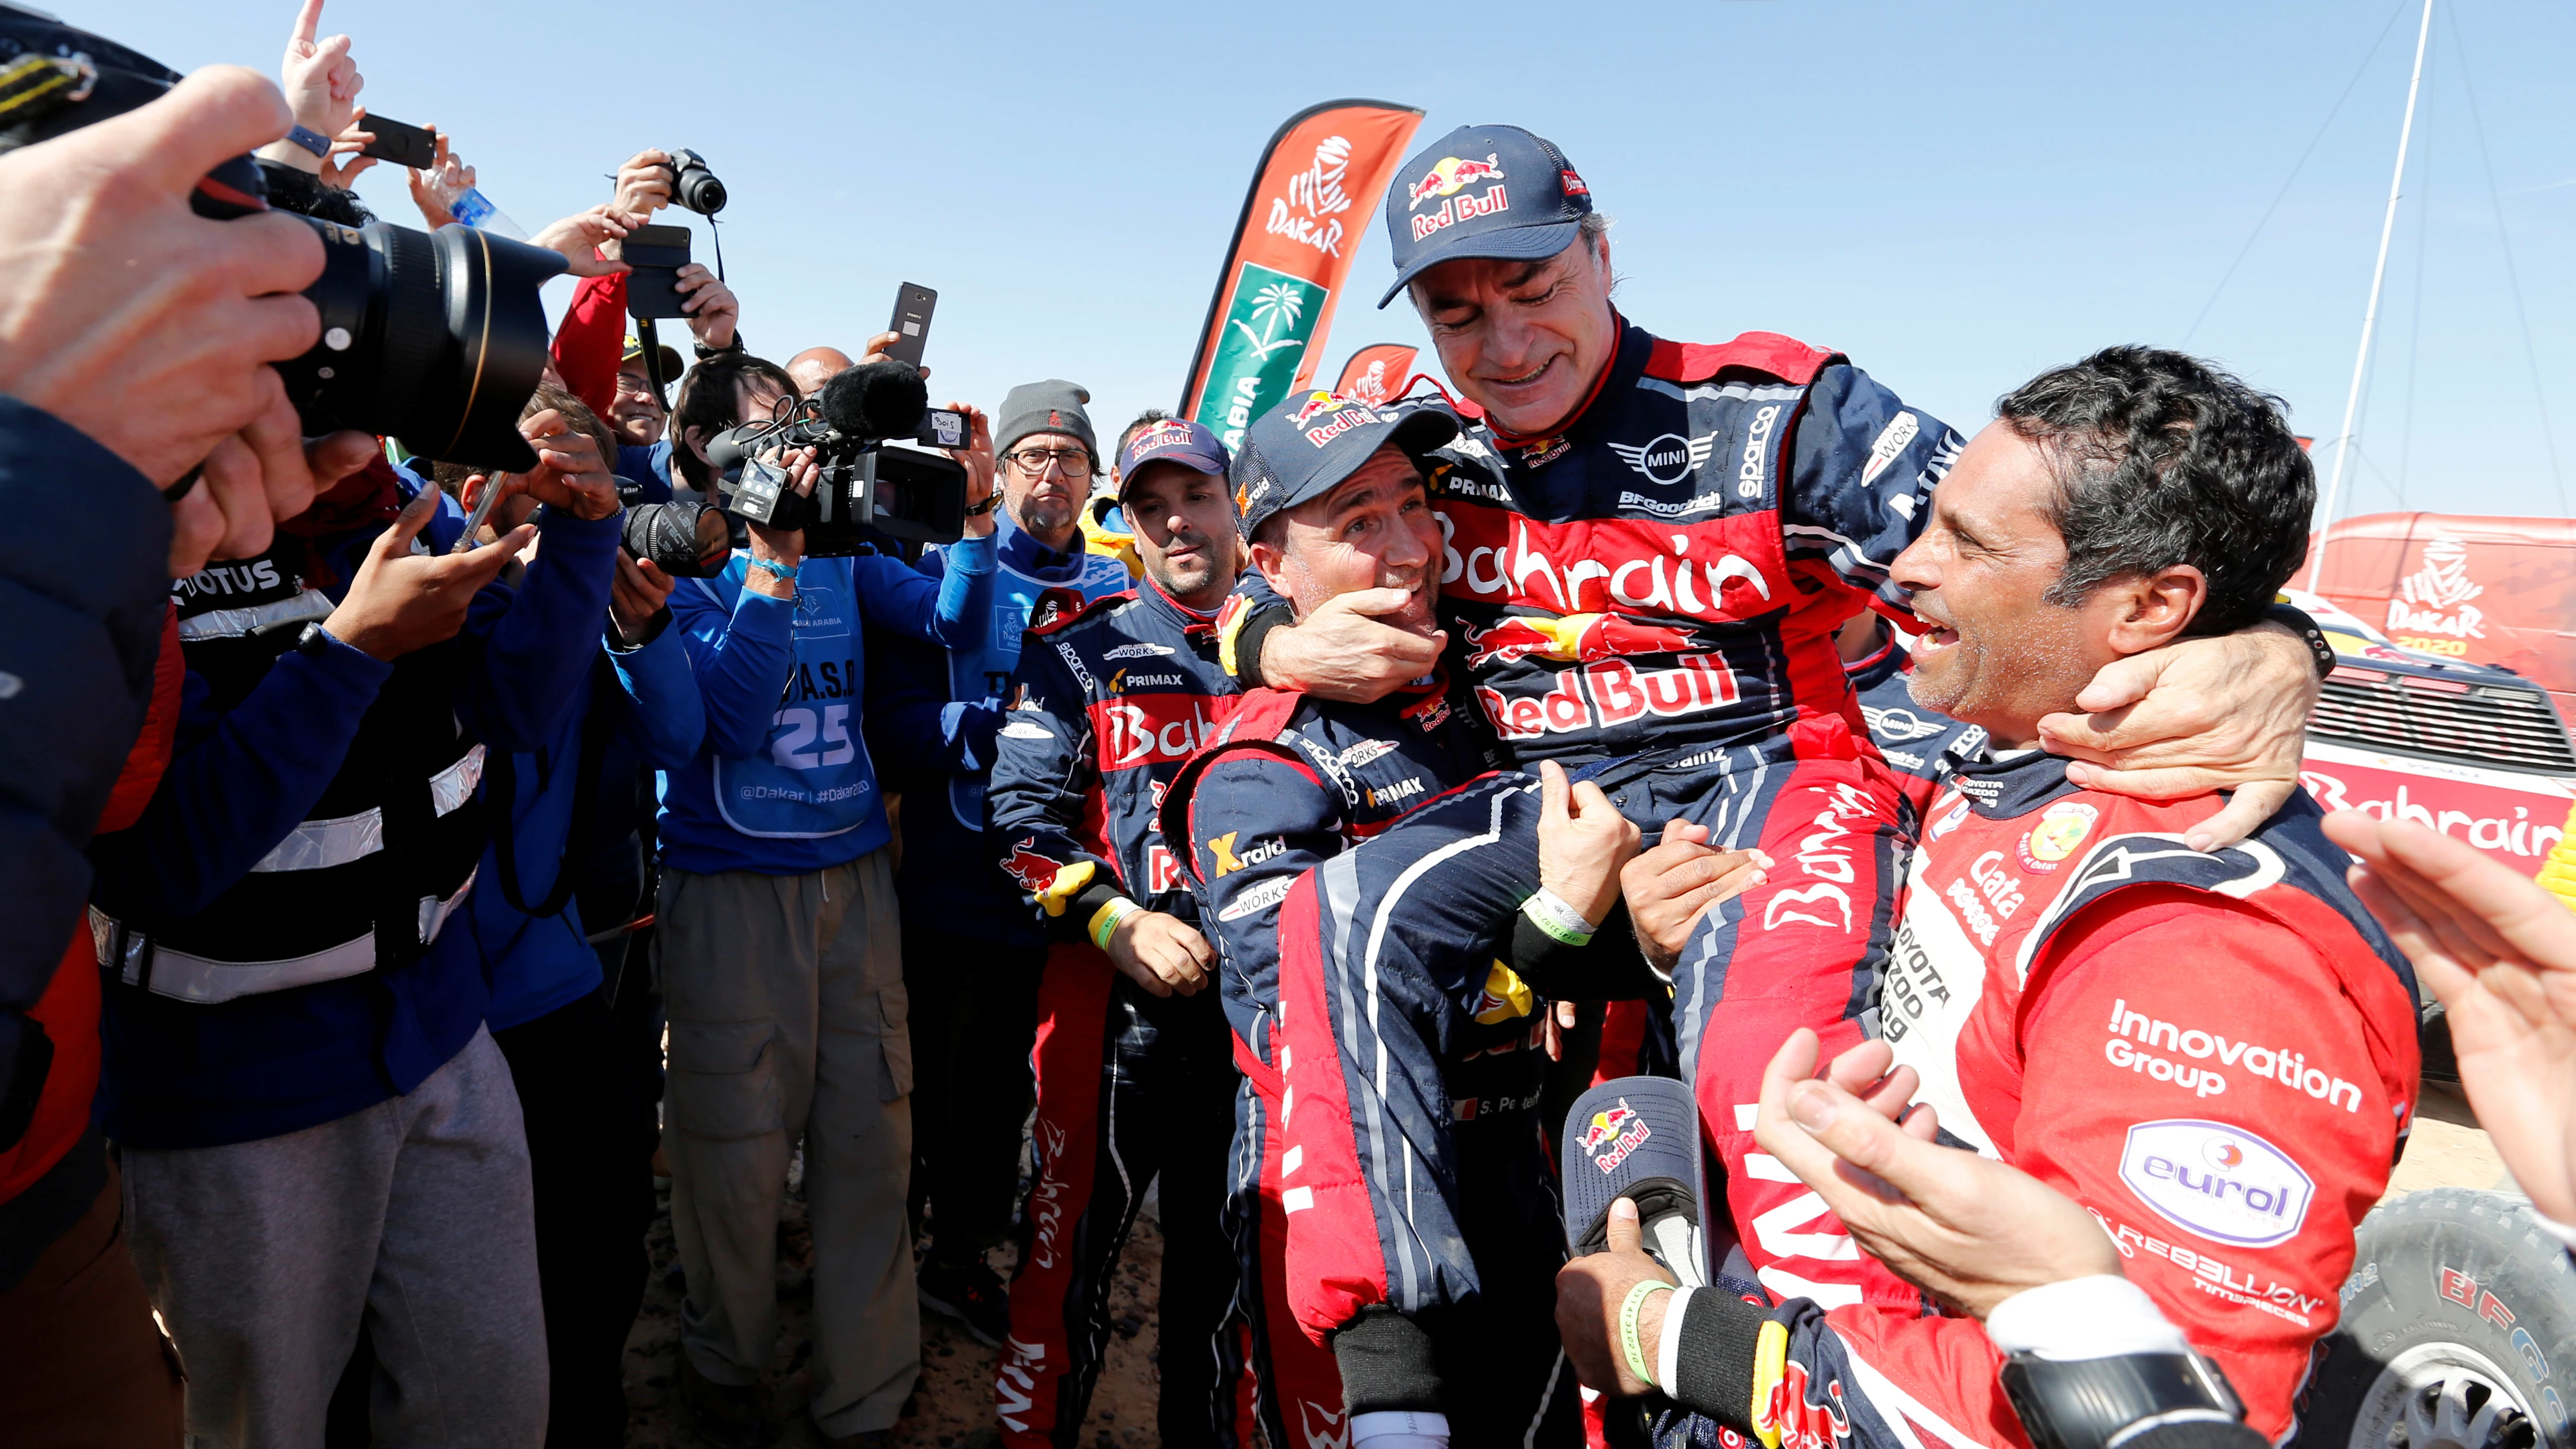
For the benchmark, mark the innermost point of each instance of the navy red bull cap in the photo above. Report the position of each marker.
(1172, 440)
(1306, 447)
(1482, 191)
(1638, 1138)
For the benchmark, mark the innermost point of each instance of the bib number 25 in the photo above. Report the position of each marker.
(796, 730)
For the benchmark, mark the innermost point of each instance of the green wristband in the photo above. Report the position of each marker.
(1636, 1299)
(1547, 911)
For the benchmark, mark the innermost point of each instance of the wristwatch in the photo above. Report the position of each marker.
(314, 641)
(978, 510)
(311, 140)
(2097, 1403)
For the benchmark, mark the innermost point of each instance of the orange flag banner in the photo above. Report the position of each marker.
(1377, 373)
(1312, 196)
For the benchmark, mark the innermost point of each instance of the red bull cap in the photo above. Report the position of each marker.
(1304, 448)
(1172, 440)
(1482, 191)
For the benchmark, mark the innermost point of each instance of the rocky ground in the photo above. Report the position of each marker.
(955, 1398)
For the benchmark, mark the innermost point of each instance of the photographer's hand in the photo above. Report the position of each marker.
(322, 84)
(875, 351)
(786, 545)
(349, 143)
(581, 236)
(433, 212)
(262, 473)
(130, 317)
(570, 474)
(712, 307)
(639, 592)
(401, 601)
(644, 184)
(976, 458)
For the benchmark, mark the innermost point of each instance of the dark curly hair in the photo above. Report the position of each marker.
(2163, 459)
(709, 401)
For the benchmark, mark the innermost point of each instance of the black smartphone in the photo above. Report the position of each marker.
(911, 324)
(401, 143)
(656, 253)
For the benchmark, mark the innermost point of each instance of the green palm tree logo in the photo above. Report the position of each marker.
(1274, 307)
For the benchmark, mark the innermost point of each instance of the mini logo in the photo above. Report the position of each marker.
(2220, 1182)
(2061, 828)
(1138, 651)
(1668, 459)
(1897, 724)
(1448, 176)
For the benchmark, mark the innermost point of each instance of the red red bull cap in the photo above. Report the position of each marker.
(1482, 191)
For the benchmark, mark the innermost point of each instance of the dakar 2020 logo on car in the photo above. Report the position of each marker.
(1447, 179)
(2220, 1182)
(2435, 598)
(1612, 1134)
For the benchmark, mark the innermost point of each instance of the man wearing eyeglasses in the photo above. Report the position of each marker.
(1049, 457)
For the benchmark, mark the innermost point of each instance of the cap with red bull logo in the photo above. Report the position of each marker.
(1172, 440)
(1308, 445)
(1482, 191)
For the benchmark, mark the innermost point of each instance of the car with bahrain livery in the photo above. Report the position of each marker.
(2458, 1326)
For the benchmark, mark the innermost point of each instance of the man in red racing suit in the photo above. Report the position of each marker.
(2213, 1052)
(1649, 547)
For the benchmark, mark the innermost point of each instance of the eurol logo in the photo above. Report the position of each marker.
(2218, 1181)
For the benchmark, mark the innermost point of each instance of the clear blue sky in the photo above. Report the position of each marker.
(1956, 196)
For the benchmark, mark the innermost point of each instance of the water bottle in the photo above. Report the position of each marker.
(453, 187)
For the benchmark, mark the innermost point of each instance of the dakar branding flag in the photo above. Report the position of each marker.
(1312, 195)
(1377, 373)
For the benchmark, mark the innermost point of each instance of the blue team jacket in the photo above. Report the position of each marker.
(932, 714)
(239, 781)
(783, 784)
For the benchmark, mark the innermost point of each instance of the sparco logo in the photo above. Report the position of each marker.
(1748, 478)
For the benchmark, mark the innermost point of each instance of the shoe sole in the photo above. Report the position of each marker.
(947, 1310)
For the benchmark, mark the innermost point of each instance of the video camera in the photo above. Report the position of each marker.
(437, 339)
(901, 492)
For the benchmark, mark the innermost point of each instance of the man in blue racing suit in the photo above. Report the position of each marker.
(1134, 1075)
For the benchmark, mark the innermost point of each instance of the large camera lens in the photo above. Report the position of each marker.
(436, 338)
(695, 187)
(686, 540)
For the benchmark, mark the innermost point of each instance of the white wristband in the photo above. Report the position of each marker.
(2078, 1318)
(1668, 1343)
(1400, 1429)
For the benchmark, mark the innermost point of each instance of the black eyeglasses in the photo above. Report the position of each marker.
(1034, 461)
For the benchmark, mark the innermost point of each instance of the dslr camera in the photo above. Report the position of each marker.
(437, 339)
(863, 482)
(693, 185)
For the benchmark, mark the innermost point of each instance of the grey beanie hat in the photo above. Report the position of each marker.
(1052, 406)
